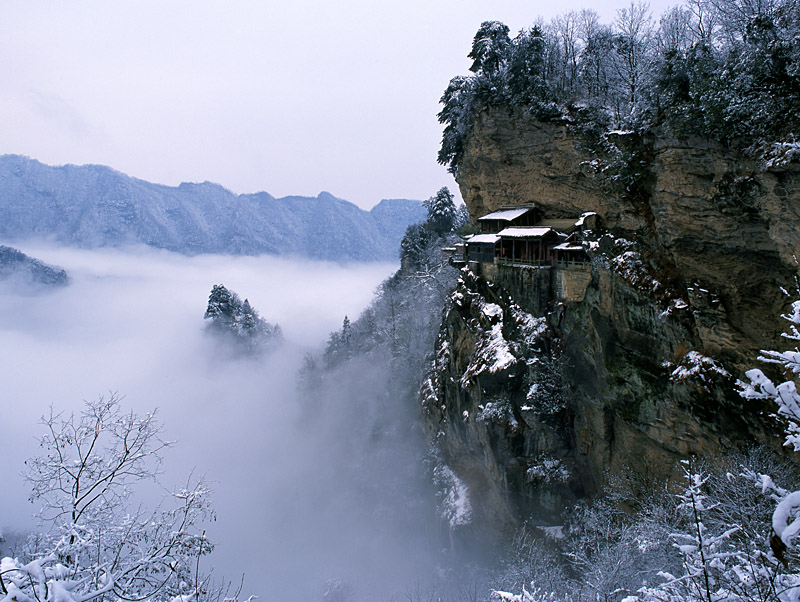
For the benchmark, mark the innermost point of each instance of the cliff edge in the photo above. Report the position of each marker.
(548, 381)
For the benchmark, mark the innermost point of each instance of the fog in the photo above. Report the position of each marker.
(297, 501)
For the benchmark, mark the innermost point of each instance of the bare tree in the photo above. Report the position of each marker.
(674, 31)
(95, 542)
(633, 35)
(565, 30)
(596, 55)
(704, 23)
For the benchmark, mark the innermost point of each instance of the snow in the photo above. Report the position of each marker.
(493, 352)
(583, 217)
(524, 232)
(780, 518)
(556, 532)
(531, 326)
(780, 154)
(693, 365)
(455, 505)
(505, 214)
(498, 412)
(492, 310)
(483, 238)
(549, 470)
(496, 351)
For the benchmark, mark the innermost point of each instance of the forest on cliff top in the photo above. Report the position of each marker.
(725, 69)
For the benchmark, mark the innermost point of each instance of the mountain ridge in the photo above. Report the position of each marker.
(95, 205)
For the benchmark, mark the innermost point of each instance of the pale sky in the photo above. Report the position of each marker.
(291, 98)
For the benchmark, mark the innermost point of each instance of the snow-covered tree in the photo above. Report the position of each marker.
(632, 29)
(527, 70)
(490, 48)
(712, 562)
(441, 211)
(96, 539)
(458, 104)
(239, 321)
(785, 394)
(786, 518)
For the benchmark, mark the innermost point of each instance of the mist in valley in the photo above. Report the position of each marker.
(309, 489)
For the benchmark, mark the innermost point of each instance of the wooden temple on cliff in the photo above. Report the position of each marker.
(522, 235)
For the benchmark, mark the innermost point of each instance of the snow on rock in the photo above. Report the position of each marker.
(556, 532)
(427, 394)
(496, 354)
(549, 470)
(454, 504)
(492, 310)
(532, 327)
(535, 595)
(695, 366)
(494, 351)
(498, 412)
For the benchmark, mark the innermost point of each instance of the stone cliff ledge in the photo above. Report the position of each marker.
(548, 380)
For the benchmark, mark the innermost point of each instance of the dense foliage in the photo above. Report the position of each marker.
(727, 69)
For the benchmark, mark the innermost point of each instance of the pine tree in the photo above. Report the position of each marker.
(441, 211)
(490, 48)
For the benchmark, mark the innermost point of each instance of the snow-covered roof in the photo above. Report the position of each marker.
(567, 247)
(505, 214)
(520, 232)
(484, 238)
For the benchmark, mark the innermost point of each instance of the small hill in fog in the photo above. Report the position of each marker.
(15, 265)
(93, 206)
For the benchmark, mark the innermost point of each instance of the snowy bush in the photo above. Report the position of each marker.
(96, 540)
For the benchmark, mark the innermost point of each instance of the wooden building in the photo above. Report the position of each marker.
(524, 216)
(522, 235)
(483, 247)
(529, 245)
(570, 251)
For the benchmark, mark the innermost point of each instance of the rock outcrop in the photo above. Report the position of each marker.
(634, 361)
(710, 216)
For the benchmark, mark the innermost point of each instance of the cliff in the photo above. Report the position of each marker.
(634, 359)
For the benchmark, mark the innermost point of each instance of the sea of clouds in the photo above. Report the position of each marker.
(289, 490)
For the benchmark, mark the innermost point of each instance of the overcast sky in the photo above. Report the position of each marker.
(291, 97)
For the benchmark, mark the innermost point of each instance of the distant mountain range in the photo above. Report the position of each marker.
(93, 206)
(14, 264)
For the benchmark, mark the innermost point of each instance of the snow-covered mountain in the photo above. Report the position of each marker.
(93, 205)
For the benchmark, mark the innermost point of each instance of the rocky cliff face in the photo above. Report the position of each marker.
(542, 391)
